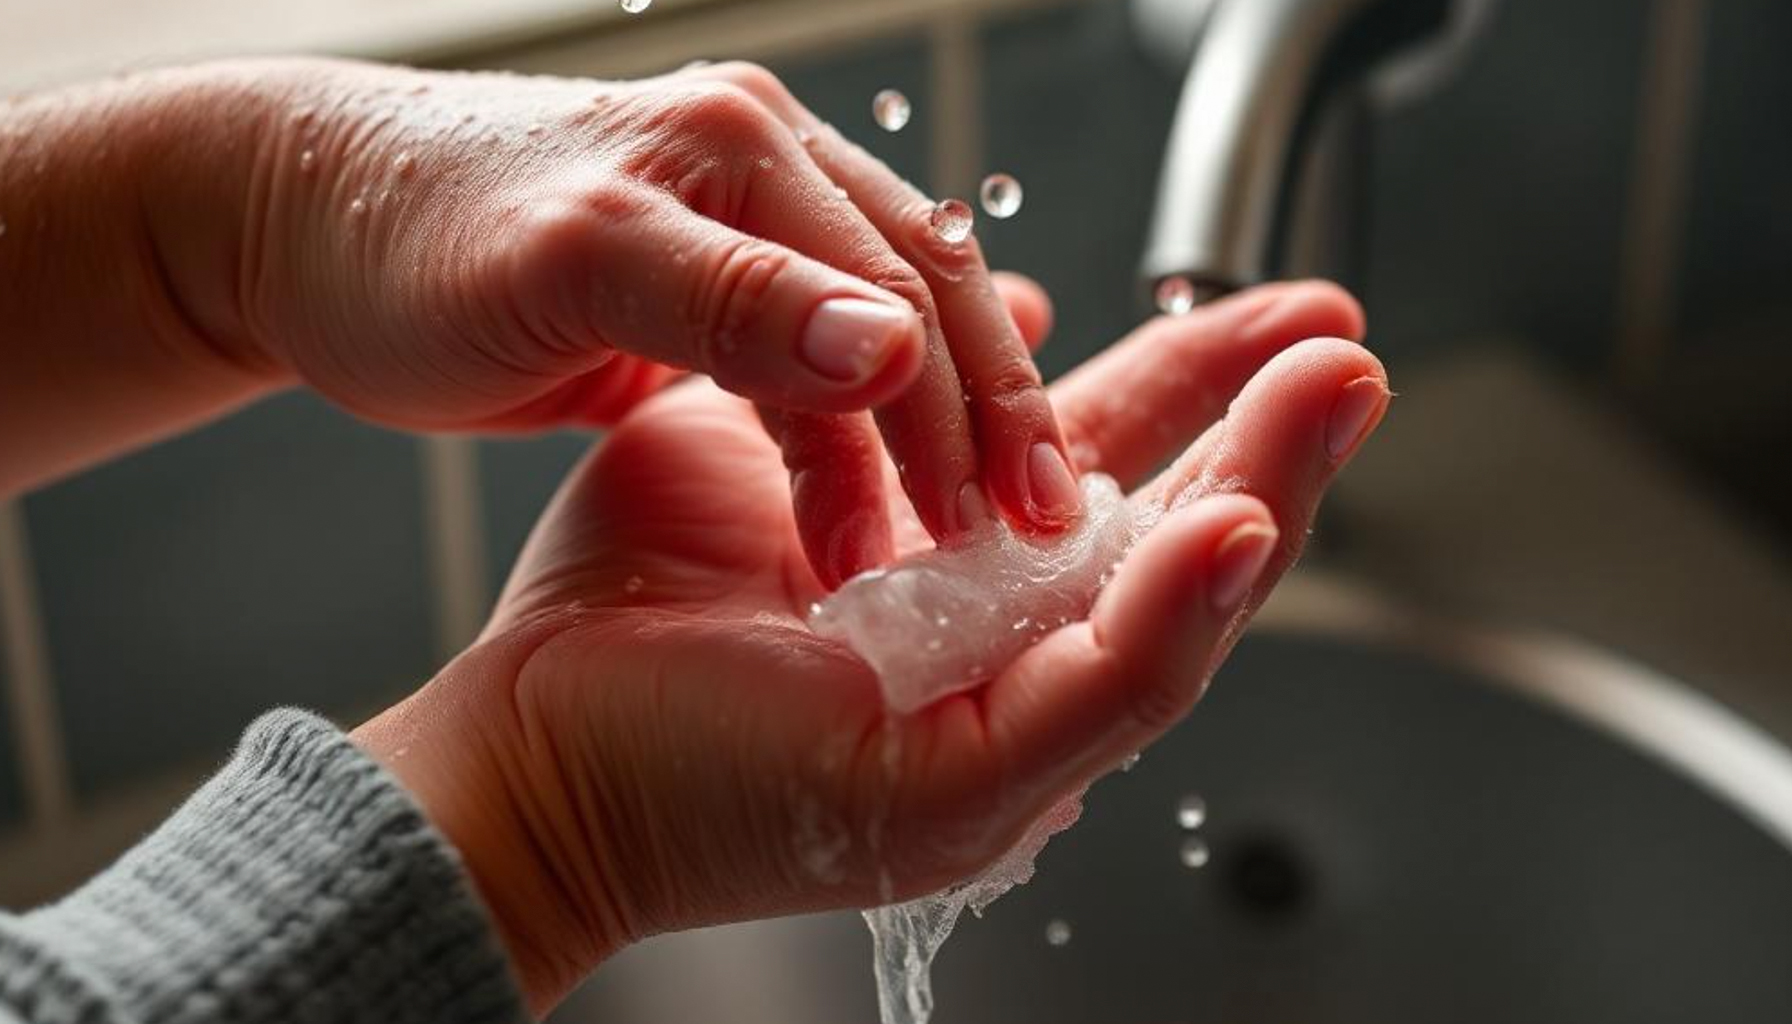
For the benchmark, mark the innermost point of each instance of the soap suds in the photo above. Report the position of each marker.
(946, 620)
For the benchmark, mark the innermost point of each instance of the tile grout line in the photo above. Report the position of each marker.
(452, 518)
(1667, 121)
(31, 693)
(954, 114)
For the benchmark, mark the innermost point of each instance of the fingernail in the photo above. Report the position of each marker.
(973, 511)
(1358, 406)
(1237, 562)
(850, 339)
(1051, 484)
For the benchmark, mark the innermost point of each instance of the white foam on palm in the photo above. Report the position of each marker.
(947, 619)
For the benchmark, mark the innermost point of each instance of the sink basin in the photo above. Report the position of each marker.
(1398, 833)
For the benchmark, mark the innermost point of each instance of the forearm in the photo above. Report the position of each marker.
(125, 207)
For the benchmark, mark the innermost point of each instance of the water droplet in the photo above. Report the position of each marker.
(1194, 853)
(942, 621)
(1001, 196)
(952, 220)
(1191, 812)
(700, 62)
(633, 585)
(841, 193)
(814, 608)
(1022, 623)
(635, 6)
(403, 165)
(358, 208)
(891, 110)
(307, 161)
(1057, 932)
(1175, 295)
(1130, 761)
(803, 135)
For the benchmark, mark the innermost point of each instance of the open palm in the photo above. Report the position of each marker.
(691, 753)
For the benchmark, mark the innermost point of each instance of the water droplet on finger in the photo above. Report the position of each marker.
(952, 220)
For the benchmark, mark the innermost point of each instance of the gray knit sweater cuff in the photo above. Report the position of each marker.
(299, 884)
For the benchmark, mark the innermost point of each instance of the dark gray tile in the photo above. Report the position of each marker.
(1076, 113)
(273, 558)
(1498, 201)
(517, 478)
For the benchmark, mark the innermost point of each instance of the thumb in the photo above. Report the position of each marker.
(640, 273)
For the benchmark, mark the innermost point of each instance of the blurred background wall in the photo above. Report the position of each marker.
(1601, 194)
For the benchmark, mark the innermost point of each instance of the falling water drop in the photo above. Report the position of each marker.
(1175, 295)
(891, 110)
(635, 6)
(1191, 812)
(1001, 196)
(1057, 932)
(1194, 853)
(952, 220)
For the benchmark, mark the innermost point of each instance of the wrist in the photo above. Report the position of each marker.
(466, 756)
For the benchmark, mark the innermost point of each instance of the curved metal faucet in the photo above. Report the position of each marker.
(1266, 77)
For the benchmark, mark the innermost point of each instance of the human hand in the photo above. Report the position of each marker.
(493, 252)
(647, 737)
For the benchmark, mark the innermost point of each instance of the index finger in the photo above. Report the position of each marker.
(1025, 464)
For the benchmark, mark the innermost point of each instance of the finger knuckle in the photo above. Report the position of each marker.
(754, 78)
(726, 112)
(902, 281)
(729, 298)
(1157, 706)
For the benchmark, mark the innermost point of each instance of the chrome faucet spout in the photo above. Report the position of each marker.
(1263, 76)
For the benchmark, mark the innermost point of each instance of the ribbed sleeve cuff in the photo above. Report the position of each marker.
(299, 884)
